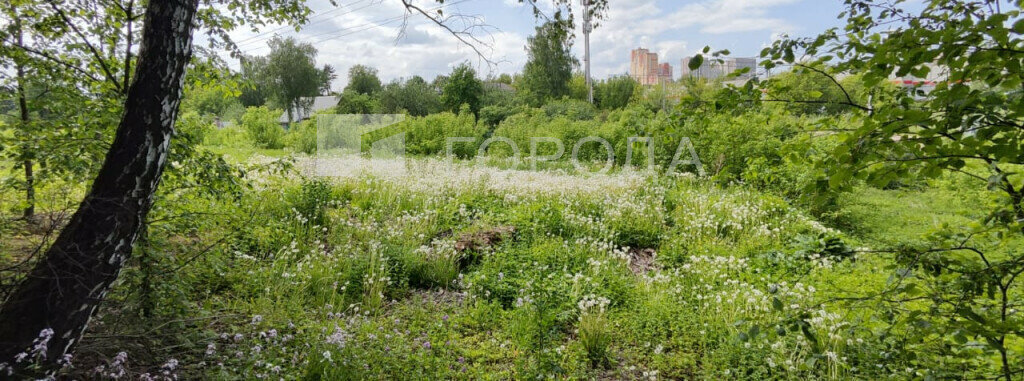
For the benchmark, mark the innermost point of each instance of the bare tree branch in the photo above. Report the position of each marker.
(465, 36)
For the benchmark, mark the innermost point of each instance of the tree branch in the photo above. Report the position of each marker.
(58, 61)
(99, 58)
(463, 36)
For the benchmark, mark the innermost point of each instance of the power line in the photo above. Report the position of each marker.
(359, 28)
(376, 24)
(264, 35)
(365, 26)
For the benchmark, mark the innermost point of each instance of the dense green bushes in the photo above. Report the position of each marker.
(261, 125)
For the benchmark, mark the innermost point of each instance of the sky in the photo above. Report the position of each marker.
(380, 33)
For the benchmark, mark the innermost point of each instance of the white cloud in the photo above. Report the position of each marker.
(634, 23)
(376, 33)
(367, 32)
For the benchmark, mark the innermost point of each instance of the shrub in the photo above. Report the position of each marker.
(726, 143)
(302, 137)
(428, 135)
(492, 116)
(571, 108)
(262, 127)
(196, 127)
(230, 136)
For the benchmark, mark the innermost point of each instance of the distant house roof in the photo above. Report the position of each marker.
(319, 103)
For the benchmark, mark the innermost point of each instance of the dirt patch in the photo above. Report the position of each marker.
(483, 239)
(641, 261)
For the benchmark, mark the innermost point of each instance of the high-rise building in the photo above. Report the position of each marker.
(713, 68)
(665, 72)
(645, 68)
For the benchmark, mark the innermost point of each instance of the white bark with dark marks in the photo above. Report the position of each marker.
(65, 288)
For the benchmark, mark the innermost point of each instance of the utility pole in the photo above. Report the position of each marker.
(587, 27)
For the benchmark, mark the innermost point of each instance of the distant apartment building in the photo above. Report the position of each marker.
(665, 72)
(714, 68)
(645, 68)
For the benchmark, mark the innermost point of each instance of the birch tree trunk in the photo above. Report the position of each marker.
(66, 286)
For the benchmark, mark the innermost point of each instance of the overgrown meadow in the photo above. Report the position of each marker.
(429, 268)
(857, 212)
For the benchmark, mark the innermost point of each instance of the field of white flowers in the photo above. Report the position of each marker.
(356, 268)
(382, 269)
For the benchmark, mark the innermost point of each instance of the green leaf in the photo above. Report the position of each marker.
(1018, 27)
(695, 62)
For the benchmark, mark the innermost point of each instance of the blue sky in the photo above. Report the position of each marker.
(375, 32)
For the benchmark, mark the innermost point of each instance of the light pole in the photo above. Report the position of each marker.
(586, 49)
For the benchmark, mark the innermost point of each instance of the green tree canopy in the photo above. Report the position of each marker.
(363, 79)
(615, 92)
(462, 88)
(548, 69)
(292, 70)
(415, 96)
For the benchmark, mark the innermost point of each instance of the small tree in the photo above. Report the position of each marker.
(549, 68)
(256, 86)
(415, 96)
(262, 127)
(292, 70)
(363, 79)
(615, 92)
(462, 88)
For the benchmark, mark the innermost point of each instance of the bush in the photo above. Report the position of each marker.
(428, 135)
(571, 108)
(302, 137)
(262, 127)
(230, 136)
(726, 143)
(196, 127)
(492, 116)
(616, 92)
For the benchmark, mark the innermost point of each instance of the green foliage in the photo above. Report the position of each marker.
(291, 69)
(492, 116)
(548, 69)
(817, 93)
(351, 102)
(578, 87)
(727, 143)
(255, 83)
(466, 272)
(363, 80)
(428, 135)
(302, 137)
(615, 92)
(195, 126)
(462, 88)
(413, 96)
(262, 127)
(571, 109)
(495, 94)
(969, 125)
(212, 90)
